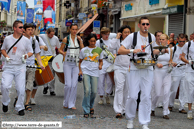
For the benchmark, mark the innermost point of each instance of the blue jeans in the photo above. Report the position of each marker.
(90, 84)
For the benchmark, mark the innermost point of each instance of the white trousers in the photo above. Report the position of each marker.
(101, 84)
(176, 81)
(189, 87)
(139, 80)
(162, 83)
(51, 84)
(120, 91)
(19, 76)
(71, 79)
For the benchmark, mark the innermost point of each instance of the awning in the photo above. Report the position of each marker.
(151, 13)
(87, 24)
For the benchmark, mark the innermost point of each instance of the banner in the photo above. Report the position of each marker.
(5, 4)
(48, 8)
(21, 6)
(38, 6)
(30, 15)
(47, 3)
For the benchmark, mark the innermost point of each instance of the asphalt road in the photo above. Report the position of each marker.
(50, 108)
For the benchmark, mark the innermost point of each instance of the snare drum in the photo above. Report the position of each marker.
(144, 63)
(45, 77)
(57, 65)
(110, 71)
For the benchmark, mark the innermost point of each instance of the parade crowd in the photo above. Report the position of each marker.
(142, 69)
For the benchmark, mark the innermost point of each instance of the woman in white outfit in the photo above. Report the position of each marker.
(70, 49)
(121, 66)
(162, 78)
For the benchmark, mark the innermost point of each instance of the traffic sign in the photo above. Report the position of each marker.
(96, 24)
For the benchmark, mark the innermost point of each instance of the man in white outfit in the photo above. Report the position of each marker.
(105, 32)
(178, 76)
(51, 42)
(139, 79)
(15, 66)
(188, 50)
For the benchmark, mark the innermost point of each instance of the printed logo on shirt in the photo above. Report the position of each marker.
(95, 57)
(14, 50)
(143, 48)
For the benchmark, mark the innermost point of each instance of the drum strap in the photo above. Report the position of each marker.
(50, 45)
(174, 51)
(189, 44)
(14, 44)
(101, 44)
(135, 43)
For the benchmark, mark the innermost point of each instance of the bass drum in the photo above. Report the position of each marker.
(110, 71)
(45, 77)
(57, 65)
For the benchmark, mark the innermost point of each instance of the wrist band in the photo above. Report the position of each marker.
(190, 62)
(27, 56)
(131, 50)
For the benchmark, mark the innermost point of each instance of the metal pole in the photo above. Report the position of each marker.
(107, 22)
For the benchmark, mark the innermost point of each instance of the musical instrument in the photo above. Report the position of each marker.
(110, 71)
(57, 65)
(160, 48)
(108, 55)
(140, 54)
(32, 66)
(45, 77)
(143, 63)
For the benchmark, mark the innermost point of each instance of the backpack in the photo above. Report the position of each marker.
(189, 44)
(66, 46)
(174, 51)
(135, 43)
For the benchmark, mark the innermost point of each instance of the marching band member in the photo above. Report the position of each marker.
(30, 72)
(178, 76)
(70, 49)
(188, 50)
(104, 42)
(51, 42)
(14, 49)
(121, 66)
(162, 78)
(139, 79)
(89, 65)
(45, 48)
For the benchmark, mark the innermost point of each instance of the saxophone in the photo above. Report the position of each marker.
(108, 56)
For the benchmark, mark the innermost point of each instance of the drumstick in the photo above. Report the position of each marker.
(147, 45)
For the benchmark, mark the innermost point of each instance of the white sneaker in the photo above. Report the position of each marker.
(189, 115)
(101, 101)
(130, 124)
(145, 127)
(107, 100)
(32, 102)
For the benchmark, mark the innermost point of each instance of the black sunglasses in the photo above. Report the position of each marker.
(20, 27)
(182, 41)
(143, 24)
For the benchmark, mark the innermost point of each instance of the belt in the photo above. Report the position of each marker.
(180, 65)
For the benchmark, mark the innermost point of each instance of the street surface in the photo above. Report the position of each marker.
(50, 108)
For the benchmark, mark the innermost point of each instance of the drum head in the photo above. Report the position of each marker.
(57, 63)
(139, 54)
(110, 68)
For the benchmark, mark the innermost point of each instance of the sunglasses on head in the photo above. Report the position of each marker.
(21, 27)
(143, 24)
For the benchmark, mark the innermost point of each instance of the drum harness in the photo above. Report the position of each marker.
(189, 44)
(135, 43)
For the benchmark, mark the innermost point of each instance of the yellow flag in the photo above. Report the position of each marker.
(45, 60)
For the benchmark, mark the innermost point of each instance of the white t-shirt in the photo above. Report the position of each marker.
(41, 42)
(128, 42)
(177, 60)
(54, 42)
(164, 60)
(90, 61)
(30, 60)
(106, 64)
(121, 61)
(190, 55)
(22, 47)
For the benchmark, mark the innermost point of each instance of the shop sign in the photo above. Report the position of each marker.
(81, 16)
(128, 7)
(173, 10)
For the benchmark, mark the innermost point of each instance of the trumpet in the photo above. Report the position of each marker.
(108, 55)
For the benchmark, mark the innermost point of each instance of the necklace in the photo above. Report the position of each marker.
(144, 42)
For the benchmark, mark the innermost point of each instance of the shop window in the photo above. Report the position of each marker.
(151, 2)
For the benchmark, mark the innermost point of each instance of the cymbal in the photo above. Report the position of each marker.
(139, 54)
(160, 47)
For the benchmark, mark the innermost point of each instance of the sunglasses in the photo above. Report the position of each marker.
(21, 27)
(143, 24)
(182, 41)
